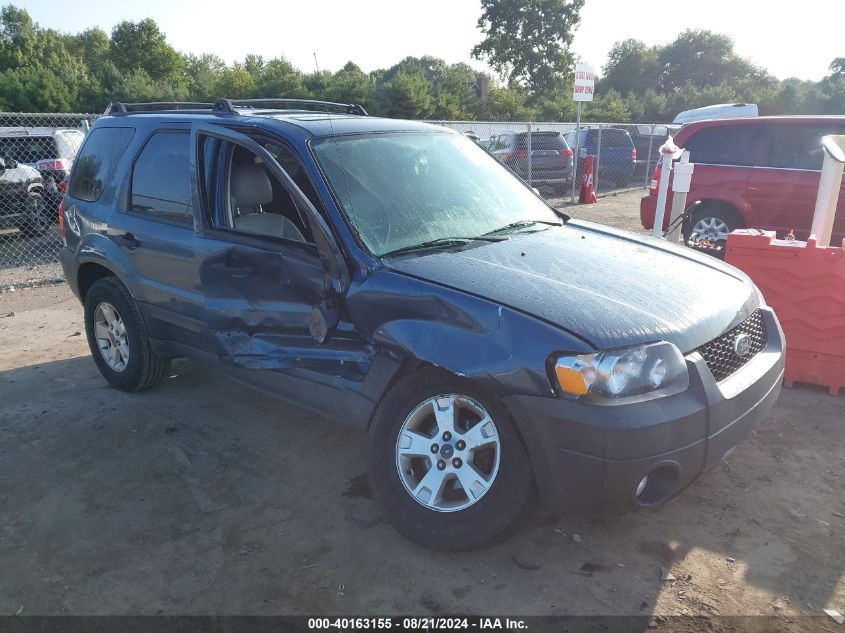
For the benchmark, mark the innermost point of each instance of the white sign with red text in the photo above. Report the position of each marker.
(585, 81)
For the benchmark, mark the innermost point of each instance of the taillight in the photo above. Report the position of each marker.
(633, 155)
(55, 164)
(62, 220)
(63, 187)
(517, 154)
(567, 153)
(655, 180)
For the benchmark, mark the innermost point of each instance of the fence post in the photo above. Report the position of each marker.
(530, 182)
(598, 162)
(577, 148)
(647, 179)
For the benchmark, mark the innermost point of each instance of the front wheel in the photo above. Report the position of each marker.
(446, 463)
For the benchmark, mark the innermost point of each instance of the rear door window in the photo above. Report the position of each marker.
(161, 178)
(95, 163)
(740, 145)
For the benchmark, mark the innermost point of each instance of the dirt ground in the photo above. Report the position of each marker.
(204, 497)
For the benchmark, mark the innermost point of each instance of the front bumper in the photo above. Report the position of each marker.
(588, 459)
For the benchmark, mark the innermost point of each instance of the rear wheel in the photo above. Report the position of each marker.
(446, 463)
(118, 341)
(708, 228)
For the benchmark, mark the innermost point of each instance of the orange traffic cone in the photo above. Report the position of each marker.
(588, 194)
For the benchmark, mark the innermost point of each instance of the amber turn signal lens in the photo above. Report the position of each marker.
(571, 380)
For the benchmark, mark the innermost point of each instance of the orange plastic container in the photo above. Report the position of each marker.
(806, 288)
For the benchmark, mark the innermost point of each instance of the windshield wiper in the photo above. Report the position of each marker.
(442, 242)
(519, 224)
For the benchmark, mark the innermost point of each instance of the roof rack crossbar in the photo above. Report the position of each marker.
(226, 106)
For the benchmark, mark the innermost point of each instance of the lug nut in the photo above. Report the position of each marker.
(456, 462)
(461, 445)
(434, 448)
(447, 436)
(441, 464)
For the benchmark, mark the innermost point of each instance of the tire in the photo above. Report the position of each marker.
(143, 368)
(496, 510)
(36, 222)
(717, 219)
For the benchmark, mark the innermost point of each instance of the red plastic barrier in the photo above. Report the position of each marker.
(587, 194)
(806, 288)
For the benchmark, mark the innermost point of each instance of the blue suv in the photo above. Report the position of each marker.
(396, 277)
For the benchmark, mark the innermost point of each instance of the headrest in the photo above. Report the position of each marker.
(250, 185)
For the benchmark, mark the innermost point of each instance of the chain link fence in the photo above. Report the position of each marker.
(552, 156)
(36, 155)
(37, 152)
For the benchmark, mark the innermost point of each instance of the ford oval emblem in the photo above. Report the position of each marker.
(742, 344)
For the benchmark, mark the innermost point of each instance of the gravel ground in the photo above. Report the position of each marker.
(204, 497)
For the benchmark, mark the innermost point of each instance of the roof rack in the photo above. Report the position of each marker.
(227, 106)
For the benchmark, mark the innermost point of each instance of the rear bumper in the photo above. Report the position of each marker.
(588, 459)
(70, 267)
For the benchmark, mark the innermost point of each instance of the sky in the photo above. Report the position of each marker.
(800, 41)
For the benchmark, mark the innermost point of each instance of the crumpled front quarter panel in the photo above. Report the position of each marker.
(503, 350)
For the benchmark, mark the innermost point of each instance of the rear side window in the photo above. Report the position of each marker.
(161, 178)
(800, 146)
(615, 137)
(95, 163)
(742, 145)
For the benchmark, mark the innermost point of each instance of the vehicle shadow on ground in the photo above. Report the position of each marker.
(205, 497)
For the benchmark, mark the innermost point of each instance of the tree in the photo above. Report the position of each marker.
(204, 75)
(837, 66)
(141, 45)
(702, 58)
(631, 67)
(407, 96)
(528, 42)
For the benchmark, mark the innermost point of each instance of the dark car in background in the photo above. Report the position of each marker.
(647, 139)
(550, 158)
(21, 199)
(51, 151)
(394, 276)
(614, 156)
(756, 172)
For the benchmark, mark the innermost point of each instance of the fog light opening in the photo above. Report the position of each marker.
(658, 485)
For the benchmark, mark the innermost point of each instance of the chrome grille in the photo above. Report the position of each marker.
(719, 353)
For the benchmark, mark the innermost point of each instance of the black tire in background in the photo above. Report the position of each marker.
(493, 517)
(36, 220)
(144, 368)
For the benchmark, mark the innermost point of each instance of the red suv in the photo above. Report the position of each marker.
(760, 172)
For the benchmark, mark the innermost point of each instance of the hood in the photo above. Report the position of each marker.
(611, 288)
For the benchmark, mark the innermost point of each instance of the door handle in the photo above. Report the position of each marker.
(130, 241)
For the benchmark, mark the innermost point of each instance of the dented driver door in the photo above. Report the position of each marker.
(272, 277)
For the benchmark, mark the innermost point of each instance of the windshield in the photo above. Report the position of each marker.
(400, 190)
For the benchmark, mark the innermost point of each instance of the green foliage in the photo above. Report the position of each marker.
(528, 41)
(142, 46)
(701, 68)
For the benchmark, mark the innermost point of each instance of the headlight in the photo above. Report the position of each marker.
(623, 376)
